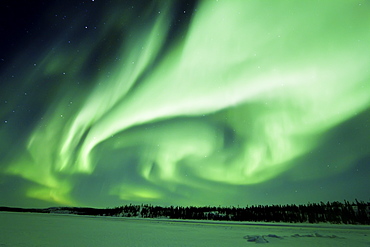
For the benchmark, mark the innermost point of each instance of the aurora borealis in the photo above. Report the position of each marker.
(226, 102)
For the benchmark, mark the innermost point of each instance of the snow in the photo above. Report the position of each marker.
(32, 229)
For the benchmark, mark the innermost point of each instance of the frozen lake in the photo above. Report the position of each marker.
(30, 229)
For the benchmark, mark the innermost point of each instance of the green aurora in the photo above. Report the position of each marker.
(244, 102)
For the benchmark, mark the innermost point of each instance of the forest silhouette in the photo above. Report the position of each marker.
(357, 212)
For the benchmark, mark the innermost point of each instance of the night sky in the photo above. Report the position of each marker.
(105, 103)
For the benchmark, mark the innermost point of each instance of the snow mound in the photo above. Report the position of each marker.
(257, 239)
(264, 239)
(314, 235)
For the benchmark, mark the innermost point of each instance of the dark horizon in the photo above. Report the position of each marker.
(330, 212)
(199, 206)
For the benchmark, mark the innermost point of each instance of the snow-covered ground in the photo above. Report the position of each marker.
(30, 229)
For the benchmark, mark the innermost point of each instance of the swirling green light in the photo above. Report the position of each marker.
(274, 76)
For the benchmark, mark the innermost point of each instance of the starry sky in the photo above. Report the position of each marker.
(228, 102)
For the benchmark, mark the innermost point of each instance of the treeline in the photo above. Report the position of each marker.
(330, 212)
